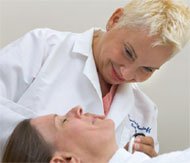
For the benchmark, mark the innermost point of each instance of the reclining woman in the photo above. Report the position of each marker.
(74, 137)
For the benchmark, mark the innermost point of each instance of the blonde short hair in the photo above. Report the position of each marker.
(169, 19)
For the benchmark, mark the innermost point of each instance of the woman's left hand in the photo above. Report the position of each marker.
(144, 144)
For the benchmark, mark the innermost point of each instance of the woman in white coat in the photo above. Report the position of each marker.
(48, 71)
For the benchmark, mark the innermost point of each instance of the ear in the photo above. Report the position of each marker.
(57, 159)
(65, 158)
(114, 19)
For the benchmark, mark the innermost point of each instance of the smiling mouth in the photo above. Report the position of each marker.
(115, 76)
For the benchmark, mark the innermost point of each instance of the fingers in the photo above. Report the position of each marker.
(145, 140)
(127, 146)
(143, 144)
(147, 149)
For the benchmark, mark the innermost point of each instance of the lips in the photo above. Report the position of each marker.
(116, 77)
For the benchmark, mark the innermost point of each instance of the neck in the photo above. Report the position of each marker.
(101, 157)
(105, 87)
(102, 152)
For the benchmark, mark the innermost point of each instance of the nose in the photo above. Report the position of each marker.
(75, 112)
(127, 73)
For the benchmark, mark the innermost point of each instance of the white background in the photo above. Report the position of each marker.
(169, 88)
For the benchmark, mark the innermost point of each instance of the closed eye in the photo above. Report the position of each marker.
(64, 120)
(148, 69)
(128, 53)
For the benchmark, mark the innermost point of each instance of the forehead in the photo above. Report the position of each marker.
(138, 36)
(42, 120)
(45, 125)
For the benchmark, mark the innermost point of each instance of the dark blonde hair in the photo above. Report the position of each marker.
(27, 145)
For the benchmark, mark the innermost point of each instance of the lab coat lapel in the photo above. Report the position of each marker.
(91, 73)
(83, 46)
(122, 104)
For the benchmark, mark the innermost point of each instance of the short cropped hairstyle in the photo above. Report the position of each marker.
(168, 19)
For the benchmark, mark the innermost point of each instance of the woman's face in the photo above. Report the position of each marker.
(127, 55)
(77, 132)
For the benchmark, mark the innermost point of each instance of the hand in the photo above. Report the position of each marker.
(144, 144)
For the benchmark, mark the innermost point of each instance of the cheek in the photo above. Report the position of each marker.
(141, 77)
(68, 136)
(113, 53)
(76, 129)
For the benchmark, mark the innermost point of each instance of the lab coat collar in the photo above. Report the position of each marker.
(122, 103)
(90, 72)
(83, 46)
(83, 43)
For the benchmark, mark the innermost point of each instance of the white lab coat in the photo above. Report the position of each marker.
(48, 71)
(122, 156)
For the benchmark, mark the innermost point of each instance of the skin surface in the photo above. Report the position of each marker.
(78, 136)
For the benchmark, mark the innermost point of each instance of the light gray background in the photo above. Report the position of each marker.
(169, 88)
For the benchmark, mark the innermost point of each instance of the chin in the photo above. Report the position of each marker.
(112, 81)
(110, 124)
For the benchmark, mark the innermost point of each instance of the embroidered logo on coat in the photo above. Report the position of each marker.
(137, 127)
